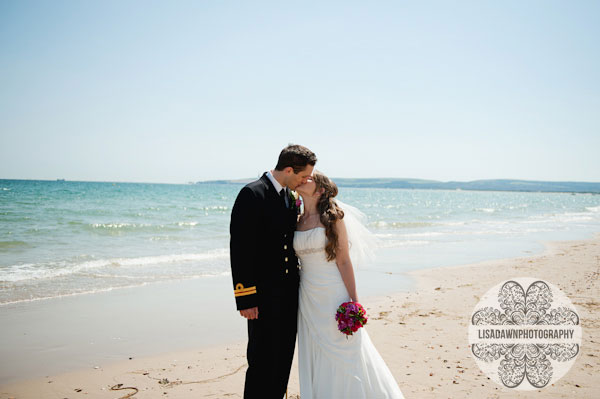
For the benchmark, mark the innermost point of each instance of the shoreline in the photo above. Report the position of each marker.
(421, 334)
(387, 258)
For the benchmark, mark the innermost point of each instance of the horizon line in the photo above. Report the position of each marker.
(333, 178)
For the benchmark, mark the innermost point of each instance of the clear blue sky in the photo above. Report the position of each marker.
(184, 91)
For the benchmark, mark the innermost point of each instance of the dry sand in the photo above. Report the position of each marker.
(422, 336)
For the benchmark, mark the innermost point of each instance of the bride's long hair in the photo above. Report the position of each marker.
(328, 210)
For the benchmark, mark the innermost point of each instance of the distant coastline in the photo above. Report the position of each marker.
(406, 183)
(477, 185)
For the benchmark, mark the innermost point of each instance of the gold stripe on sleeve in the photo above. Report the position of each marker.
(241, 291)
(245, 293)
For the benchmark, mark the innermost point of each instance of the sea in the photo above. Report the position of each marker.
(65, 238)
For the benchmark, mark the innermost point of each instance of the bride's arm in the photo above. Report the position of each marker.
(342, 259)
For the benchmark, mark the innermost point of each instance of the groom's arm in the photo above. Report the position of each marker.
(243, 229)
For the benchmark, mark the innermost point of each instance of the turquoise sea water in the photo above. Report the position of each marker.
(63, 238)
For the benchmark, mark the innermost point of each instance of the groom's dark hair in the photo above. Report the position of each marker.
(297, 157)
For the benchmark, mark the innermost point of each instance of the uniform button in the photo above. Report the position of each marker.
(285, 235)
(285, 247)
(286, 271)
(286, 259)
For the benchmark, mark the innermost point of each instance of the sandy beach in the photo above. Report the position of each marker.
(421, 334)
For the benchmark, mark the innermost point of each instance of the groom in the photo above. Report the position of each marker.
(264, 268)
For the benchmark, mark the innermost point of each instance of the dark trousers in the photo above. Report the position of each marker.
(271, 341)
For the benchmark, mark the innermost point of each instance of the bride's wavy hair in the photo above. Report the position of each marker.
(328, 210)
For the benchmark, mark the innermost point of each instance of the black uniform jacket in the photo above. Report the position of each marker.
(264, 265)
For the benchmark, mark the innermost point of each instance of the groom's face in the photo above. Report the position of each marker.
(296, 179)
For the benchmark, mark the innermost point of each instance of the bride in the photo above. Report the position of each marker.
(331, 364)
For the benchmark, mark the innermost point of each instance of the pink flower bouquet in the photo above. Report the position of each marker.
(350, 317)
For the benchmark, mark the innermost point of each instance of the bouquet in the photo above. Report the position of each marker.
(350, 317)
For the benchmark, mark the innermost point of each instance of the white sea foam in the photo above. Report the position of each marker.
(425, 234)
(187, 223)
(139, 226)
(565, 217)
(453, 223)
(30, 271)
(400, 225)
(118, 225)
(402, 243)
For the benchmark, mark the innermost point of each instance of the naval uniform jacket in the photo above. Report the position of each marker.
(264, 266)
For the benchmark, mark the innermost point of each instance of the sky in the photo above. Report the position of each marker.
(175, 92)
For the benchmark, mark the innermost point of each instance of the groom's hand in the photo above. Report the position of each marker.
(251, 313)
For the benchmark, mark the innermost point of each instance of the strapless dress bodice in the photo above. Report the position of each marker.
(310, 242)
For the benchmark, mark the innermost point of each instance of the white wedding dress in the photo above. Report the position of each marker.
(332, 366)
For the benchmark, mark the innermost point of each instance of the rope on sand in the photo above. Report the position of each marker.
(166, 382)
(119, 387)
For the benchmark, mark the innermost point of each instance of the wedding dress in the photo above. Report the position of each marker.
(331, 364)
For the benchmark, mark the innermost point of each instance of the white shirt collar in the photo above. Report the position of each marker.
(276, 184)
